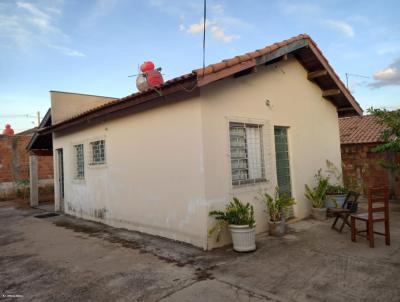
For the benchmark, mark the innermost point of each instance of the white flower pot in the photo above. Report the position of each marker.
(243, 237)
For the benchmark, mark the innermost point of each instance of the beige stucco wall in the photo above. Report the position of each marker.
(168, 167)
(153, 177)
(295, 102)
(66, 105)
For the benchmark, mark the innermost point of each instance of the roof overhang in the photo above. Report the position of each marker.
(42, 143)
(302, 47)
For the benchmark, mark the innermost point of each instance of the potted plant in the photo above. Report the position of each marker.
(335, 196)
(276, 206)
(240, 219)
(335, 193)
(317, 196)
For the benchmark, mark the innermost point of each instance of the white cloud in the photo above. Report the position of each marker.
(196, 28)
(219, 34)
(341, 26)
(31, 25)
(388, 48)
(389, 76)
(219, 20)
(37, 13)
(67, 51)
(99, 10)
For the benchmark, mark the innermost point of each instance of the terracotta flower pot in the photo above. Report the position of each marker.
(277, 228)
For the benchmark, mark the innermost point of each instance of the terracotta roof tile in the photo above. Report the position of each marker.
(360, 130)
(247, 57)
(214, 68)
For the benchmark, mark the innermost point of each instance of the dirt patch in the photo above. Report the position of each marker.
(79, 228)
(101, 231)
(203, 274)
(46, 215)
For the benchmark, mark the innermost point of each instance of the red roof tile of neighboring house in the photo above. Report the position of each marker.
(214, 72)
(360, 130)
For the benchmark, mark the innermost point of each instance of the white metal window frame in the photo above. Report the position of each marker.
(75, 161)
(91, 162)
(266, 145)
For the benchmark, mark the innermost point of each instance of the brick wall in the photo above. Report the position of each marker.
(14, 164)
(360, 165)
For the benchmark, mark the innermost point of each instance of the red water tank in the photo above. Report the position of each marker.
(149, 76)
(154, 78)
(147, 66)
(8, 130)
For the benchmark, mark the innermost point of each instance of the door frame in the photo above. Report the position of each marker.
(60, 178)
(292, 193)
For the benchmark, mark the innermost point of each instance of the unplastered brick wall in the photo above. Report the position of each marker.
(14, 166)
(361, 165)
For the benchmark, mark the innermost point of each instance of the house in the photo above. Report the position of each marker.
(361, 165)
(158, 161)
(14, 168)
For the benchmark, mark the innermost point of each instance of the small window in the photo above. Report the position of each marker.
(247, 162)
(97, 149)
(79, 162)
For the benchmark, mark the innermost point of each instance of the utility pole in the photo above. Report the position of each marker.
(38, 118)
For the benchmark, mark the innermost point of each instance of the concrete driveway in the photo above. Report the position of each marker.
(65, 259)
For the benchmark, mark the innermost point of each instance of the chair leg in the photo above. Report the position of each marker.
(387, 232)
(345, 221)
(370, 229)
(353, 229)
(334, 223)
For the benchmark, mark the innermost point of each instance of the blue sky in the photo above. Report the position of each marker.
(92, 46)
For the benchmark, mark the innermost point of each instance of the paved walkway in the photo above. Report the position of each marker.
(65, 259)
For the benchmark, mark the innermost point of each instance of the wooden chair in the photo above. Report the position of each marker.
(349, 207)
(378, 211)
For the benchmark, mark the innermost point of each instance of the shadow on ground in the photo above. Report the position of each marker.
(60, 258)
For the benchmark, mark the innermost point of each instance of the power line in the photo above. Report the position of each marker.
(354, 75)
(17, 116)
(204, 34)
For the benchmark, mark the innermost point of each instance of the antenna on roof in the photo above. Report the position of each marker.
(354, 75)
(204, 34)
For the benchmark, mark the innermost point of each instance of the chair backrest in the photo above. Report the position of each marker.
(378, 201)
(350, 202)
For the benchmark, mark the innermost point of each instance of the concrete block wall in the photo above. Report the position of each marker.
(361, 165)
(14, 166)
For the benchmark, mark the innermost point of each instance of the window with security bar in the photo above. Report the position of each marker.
(79, 162)
(247, 159)
(98, 155)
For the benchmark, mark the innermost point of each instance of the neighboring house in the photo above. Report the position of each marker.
(360, 164)
(158, 161)
(14, 167)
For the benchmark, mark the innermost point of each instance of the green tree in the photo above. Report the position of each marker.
(391, 139)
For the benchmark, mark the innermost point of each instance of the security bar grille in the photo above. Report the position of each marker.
(79, 162)
(247, 160)
(98, 152)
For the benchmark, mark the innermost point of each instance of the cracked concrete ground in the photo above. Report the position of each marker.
(66, 259)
